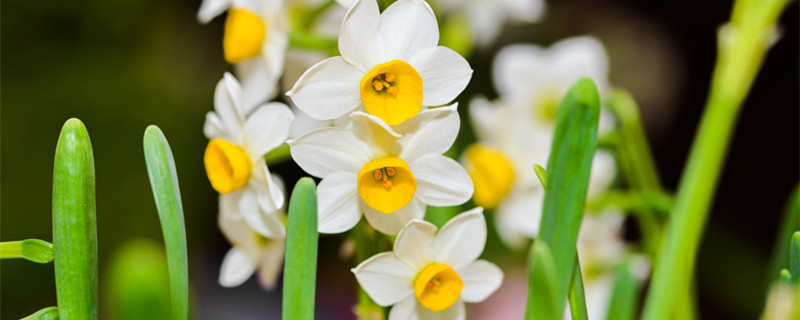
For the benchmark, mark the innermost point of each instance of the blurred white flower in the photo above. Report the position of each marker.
(390, 66)
(234, 158)
(389, 174)
(430, 275)
(255, 41)
(487, 17)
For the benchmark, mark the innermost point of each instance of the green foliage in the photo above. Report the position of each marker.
(75, 223)
(300, 271)
(789, 223)
(542, 304)
(49, 313)
(794, 262)
(34, 250)
(625, 295)
(577, 299)
(164, 182)
(541, 173)
(137, 283)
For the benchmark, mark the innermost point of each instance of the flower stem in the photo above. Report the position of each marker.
(303, 40)
(35, 250)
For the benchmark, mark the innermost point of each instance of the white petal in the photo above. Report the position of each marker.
(258, 82)
(270, 263)
(431, 131)
(578, 57)
(407, 27)
(266, 128)
(328, 90)
(604, 169)
(525, 10)
(481, 279)
(391, 223)
(454, 312)
(385, 278)
(406, 309)
(519, 215)
(214, 127)
(461, 240)
(297, 62)
(337, 200)
(444, 74)
(236, 268)
(303, 123)
(265, 223)
(414, 242)
(233, 227)
(520, 68)
(212, 8)
(359, 39)
(486, 22)
(377, 137)
(227, 103)
(328, 150)
(441, 181)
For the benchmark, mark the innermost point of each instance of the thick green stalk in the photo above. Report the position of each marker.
(743, 44)
(167, 194)
(34, 250)
(300, 272)
(75, 224)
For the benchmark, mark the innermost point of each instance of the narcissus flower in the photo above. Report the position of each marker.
(234, 158)
(487, 17)
(251, 250)
(389, 174)
(390, 66)
(430, 275)
(255, 41)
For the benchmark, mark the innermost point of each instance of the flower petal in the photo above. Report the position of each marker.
(214, 127)
(259, 84)
(337, 200)
(407, 27)
(359, 38)
(385, 278)
(328, 90)
(518, 68)
(454, 312)
(431, 131)
(270, 263)
(391, 223)
(405, 309)
(441, 181)
(377, 137)
(267, 128)
(212, 8)
(228, 104)
(481, 279)
(444, 73)
(461, 240)
(269, 188)
(266, 224)
(518, 216)
(328, 150)
(414, 242)
(236, 268)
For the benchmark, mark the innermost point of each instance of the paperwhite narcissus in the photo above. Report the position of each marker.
(255, 42)
(389, 174)
(487, 17)
(390, 66)
(430, 275)
(234, 158)
(251, 251)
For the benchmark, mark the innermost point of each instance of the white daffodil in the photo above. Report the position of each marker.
(390, 66)
(430, 275)
(255, 41)
(251, 250)
(387, 173)
(234, 158)
(487, 17)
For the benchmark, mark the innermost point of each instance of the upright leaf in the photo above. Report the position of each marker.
(577, 297)
(137, 282)
(794, 262)
(75, 224)
(164, 182)
(542, 302)
(625, 295)
(300, 271)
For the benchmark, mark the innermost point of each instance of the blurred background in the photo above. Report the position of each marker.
(122, 65)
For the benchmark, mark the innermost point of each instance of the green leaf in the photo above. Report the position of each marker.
(568, 169)
(577, 297)
(137, 282)
(541, 174)
(75, 223)
(785, 276)
(794, 262)
(49, 313)
(440, 215)
(278, 155)
(300, 271)
(542, 304)
(789, 223)
(625, 295)
(34, 250)
(164, 182)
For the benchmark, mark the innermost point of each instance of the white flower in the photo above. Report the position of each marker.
(251, 251)
(430, 275)
(486, 17)
(390, 66)
(389, 174)
(234, 158)
(255, 41)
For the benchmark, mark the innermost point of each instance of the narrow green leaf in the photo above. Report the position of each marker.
(75, 224)
(164, 182)
(137, 282)
(625, 295)
(300, 271)
(541, 174)
(780, 252)
(542, 304)
(568, 169)
(49, 313)
(278, 155)
(577, 297)
(35, 250)
(794, 263)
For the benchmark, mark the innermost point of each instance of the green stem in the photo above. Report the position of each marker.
(304, 40)
(278, 155)
(577, 297)
(743, 44)
(34, 250)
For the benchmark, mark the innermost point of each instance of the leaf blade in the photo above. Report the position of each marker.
(299, 276)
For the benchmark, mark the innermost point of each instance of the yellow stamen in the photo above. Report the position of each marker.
(491, 173)
(399, 95)
(245, 34)
(386, 184)
(438, 286)
(227, 165)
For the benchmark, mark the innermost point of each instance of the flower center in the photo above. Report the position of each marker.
(544, 108)
(386, 184)
(392, 91)
(438, 286)
(227, 165)
(245, 34)
(491, 173)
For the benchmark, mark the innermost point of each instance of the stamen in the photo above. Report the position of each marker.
(389, 77)
(390, 171)
(392, 91)
(378, 85)
(377, 174)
